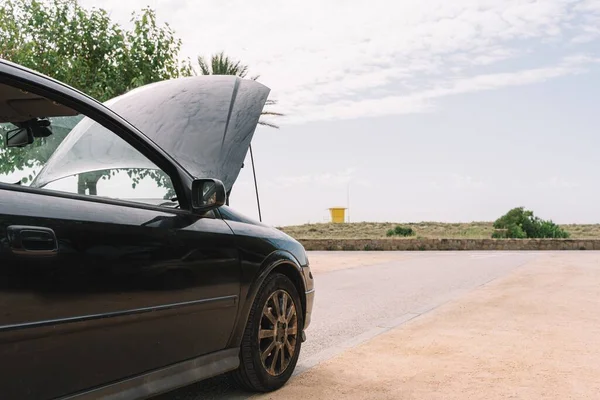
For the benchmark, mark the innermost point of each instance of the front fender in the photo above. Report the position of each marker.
(278, 259)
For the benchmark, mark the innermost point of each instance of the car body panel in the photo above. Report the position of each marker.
(128, 290)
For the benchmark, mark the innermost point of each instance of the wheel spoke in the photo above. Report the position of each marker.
(290, 314)
(267, 352)
(266, 333)
(289, 346)
(282, 360)
(267, 313)
(274, 362)
(277, 305)
(292, 330)
(284, 299)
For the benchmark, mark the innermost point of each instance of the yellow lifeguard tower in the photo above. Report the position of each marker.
(338, 215)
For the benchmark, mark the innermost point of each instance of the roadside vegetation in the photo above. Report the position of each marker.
(434, 230)
(519, 223)
(379, 230)
(400, 231)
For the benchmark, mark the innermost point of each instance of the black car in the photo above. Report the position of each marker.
(122, 272)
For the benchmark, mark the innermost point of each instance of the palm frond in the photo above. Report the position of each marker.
(204, 69)
(269, 124)
(223, 65)
(272, 113)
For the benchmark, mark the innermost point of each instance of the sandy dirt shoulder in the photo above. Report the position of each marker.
(329, 261)
(534, 334)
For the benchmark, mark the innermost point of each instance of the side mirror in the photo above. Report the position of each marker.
(207, 194)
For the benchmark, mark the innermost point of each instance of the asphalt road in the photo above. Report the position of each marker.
(355, 304)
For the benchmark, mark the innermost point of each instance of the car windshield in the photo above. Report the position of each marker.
(82, 156)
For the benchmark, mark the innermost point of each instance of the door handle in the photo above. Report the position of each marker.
(32, 240)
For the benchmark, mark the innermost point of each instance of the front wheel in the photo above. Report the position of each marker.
(271, 342)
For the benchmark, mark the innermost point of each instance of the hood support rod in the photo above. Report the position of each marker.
(255, 184)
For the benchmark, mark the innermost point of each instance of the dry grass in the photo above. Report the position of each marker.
(377, 230)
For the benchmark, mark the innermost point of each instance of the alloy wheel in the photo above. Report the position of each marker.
(278, 332)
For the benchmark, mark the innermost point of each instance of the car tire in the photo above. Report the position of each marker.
(273, 330)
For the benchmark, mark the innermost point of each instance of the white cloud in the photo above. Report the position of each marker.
(346, 59)
(589, 27)
(420, 101)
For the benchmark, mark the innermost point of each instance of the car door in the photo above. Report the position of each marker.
(100, 285)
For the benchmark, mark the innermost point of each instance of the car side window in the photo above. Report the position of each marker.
(50, 146)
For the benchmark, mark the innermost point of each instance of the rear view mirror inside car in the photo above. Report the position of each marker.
(19, 137)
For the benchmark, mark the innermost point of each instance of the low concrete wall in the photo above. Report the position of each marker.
(450, 244)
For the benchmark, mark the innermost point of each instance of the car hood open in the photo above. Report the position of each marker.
(206, 123)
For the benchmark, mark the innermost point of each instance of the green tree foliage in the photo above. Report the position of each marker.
(221, 64)
(519, 223)
(86, 50)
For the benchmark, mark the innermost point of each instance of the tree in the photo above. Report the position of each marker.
(519, 223)
(88, 51)
(220, 64)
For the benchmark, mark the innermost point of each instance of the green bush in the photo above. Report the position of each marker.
(400, 231)
(519, 223)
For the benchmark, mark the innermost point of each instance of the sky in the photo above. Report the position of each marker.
(418, 110)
